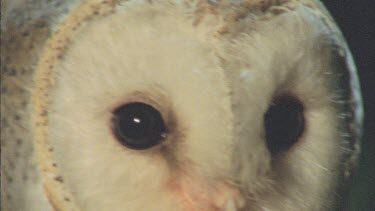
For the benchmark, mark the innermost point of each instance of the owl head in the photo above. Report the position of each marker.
(196, 105)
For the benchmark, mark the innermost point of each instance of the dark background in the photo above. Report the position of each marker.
(356, 18)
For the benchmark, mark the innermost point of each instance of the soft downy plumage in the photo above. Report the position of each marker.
(212, 69)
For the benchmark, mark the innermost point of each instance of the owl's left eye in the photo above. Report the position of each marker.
(284, 123)
(138, 125)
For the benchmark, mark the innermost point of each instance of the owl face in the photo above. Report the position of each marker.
(184, 106)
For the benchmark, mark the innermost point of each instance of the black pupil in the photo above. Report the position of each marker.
(138, 125)
(284, 123)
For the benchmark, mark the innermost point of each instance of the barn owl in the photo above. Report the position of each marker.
(176, 105)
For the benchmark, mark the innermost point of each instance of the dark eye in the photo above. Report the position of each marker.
(138, 126)
(284, 123)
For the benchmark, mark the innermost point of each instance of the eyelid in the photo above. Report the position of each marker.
(153, 96)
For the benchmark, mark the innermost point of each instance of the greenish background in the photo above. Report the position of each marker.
(356, 18)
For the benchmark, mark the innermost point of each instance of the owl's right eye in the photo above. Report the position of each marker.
(138, 126)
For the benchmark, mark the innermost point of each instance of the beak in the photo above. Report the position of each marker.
(196, 195)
